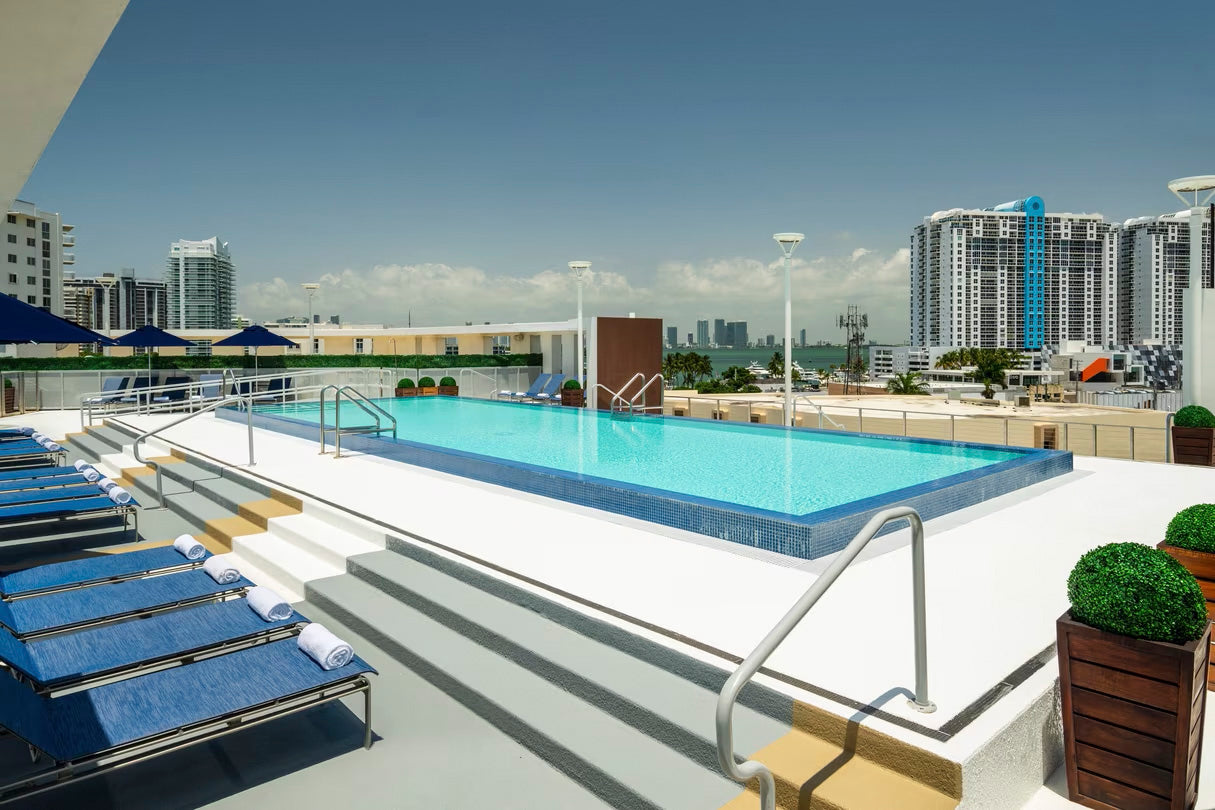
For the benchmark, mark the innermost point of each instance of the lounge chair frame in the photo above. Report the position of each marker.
(121, 510)
(141, 750)
(186, 565)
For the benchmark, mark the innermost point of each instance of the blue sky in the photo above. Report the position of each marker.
(450, 158)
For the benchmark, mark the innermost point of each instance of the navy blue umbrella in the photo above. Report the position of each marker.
(148, 337)
(255, 336)
(22, 323)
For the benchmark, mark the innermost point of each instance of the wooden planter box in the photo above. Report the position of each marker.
(1202, 566)
(10, 400)
(1194, 446)
(449, 390)
(573, 397)
(428, 391)
(406, 392)
(1132, 717)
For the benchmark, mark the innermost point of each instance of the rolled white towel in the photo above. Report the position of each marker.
(268, 604)
(91, 475)
(81, 464)
(190, 548)
(28, 431)
(220, 568)
(119, 495)
(54, 447)
(324, 647)
(38, 437)
(106, 484)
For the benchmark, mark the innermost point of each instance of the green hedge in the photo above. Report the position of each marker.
(1193, 528)
(1139, 591)
(1194, 416)
(99, 363)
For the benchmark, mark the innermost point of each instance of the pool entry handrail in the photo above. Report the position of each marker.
(641, 395)
(231, 400)
(493, 387)
(751, 769)
(821, 416)
(366, 405)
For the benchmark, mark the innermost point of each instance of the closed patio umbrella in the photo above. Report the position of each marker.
(255, 336)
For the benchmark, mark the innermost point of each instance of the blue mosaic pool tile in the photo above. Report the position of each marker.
(805, 536)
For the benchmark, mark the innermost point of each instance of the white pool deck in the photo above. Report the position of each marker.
(996, 573)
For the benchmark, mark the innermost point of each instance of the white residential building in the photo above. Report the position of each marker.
(32, 245)
(201, 282)
(1013, 276)
(1153, 269)
(114, 301)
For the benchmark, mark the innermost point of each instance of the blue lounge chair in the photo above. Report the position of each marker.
(13, 433)
(26, 496)
(88, 571)
(35, 472)
(120, 648)
(276, 391)
(95, 730)
(110, 387)
(85, 607)
(552, 390)
(536, 387)
(68, 509)
(137, 390)
(27, 452)
(72, 478)
(209, 387)
(179, 395)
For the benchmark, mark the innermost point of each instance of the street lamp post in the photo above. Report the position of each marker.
(310, 287)
(579, 269)
(788, 243)
(1191, 322)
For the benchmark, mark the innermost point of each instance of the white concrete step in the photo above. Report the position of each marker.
(285, 562)
(251, 571)
(321, 539)
(346, 523)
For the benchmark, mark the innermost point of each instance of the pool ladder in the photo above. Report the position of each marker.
(624, 407)
(366, 405)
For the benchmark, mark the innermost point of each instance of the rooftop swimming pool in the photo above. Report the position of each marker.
(800, 492)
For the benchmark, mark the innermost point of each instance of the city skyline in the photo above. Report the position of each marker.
(418, 163)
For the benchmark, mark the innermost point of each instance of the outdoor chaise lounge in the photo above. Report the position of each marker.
(27, 452)
(88, 571)
(83, 489)
(105, 727)
(209, 388)
(70, 477)
(84, 607)
(535, 388)
(137, 394)
(8, 434)
(123, 648)
(110, 387)
(173, 395)
(551, 391)
(99, 505)
(276, 391)
(35, 472)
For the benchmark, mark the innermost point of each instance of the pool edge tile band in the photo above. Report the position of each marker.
(806, 537)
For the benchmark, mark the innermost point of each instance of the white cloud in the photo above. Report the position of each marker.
(680, 292)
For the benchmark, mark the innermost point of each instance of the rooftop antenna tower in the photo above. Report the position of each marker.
(854, 323)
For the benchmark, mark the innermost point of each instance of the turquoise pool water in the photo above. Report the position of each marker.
(795, 472)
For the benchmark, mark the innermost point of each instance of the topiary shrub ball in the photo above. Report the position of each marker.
(426, 382)
(447, 381)
(404, 382)
(1194, 416)
(1193, 528)
(1138, 591)
(571, 385)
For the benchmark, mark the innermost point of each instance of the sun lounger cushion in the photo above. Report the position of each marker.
(19, 513)
(93, 569)
(36, 472)
(59, 610)
(69, 657)
(46, 482)
(28, 496)
(22, 447)
(94, 720)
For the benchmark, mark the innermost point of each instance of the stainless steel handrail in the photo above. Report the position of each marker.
(375, 411)
(623, 401)
(641, 394)
(160, 492)
(752, 769)
(821, 415)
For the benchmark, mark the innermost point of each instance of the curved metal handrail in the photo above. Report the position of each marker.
(623, 401)
(160, 492)
(354, 396)
(818, 407)
(751, 769)
(641, 393)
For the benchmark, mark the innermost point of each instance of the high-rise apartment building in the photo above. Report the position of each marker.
(32, 246)
(702, 333)
(115, 301)
(1013, 276)
(672, 337)
(719, 332)
(1153, 269)
(201, 283)
(736, 334)
(802, 341)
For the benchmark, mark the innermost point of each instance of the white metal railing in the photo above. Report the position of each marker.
(642, 395)
(160, 492)
(751, 769)
(493, 391)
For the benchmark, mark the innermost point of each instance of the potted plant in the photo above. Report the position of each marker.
(10, 396)
(1133, 656)
(405, 388)
(1194, 436)
(426, 387)
(448, 387)
(572, 394)
(1190, 540)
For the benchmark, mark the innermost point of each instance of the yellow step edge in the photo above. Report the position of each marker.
(260, 512)
(223, 530)
(285, 498)
(813, 774)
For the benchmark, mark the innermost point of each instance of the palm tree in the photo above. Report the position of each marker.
(908, 383)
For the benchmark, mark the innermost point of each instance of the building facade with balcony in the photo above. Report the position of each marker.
(33, 245)
(201, 282)
(1153, 270)
(115, 301)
